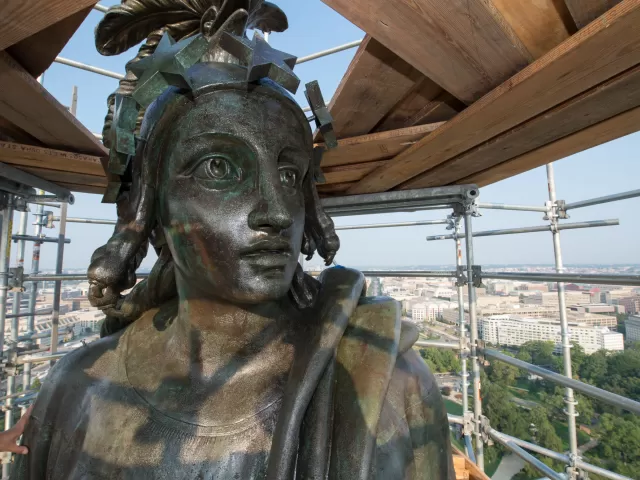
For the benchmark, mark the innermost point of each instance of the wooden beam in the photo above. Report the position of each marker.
(423, 93)
(83, 188)
(26, 104)
(375, 81)
(607, 100)
(331, 189)
(590, 57)
(376, 146)
(45, 158)
(37, 52)
(350, 173)
(58, 177)
(22, 18)
(616, 127)
(541, 25)
(465, 47)
(586, 11)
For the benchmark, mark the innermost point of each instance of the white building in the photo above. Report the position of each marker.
(513, 330)
(632, 326)
(419, 312)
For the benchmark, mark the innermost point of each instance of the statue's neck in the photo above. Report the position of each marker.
(215, 351)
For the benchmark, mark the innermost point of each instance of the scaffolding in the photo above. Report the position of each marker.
(19, 189)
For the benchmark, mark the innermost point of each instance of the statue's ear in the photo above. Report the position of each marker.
(268, 18)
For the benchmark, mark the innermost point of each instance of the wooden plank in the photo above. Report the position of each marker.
(375, 81)
(465, 47)
(586, 11)
(376, 146)
(616, 127)
(22, 18)
(38, 157)
(607, 100)
(83, 188)
(37, 52)
(541, 25)
(588, 58)
(474, 472)
(350, 173)
(26, 104)
(57, 176)
(330, 189)
(401, 115)
(10, 133)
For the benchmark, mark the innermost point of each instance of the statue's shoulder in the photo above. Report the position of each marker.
(91, 361)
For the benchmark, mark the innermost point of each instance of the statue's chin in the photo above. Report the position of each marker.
(259, 290)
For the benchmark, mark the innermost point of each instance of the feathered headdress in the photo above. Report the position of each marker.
(134, 21)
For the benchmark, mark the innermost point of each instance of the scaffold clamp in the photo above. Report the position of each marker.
(477, 276)
(16, 280)
(485, 428)
(461, 278)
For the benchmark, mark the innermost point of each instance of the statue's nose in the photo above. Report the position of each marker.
(271, 213)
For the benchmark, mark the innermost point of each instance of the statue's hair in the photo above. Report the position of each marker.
(113, 266)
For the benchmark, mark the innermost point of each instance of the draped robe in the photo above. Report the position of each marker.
(359, 404)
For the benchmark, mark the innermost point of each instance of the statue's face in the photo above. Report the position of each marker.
(230, 196)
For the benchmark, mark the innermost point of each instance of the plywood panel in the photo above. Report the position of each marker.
(593, 55)
(586, 11)
(607, 100)
(464, 46)
(540, 24)
(37, 52)
(19, 19)
(26, 104)
(616, 127)
(376, 146)
(375, 81)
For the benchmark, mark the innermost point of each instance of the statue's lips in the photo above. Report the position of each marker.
(274, 252)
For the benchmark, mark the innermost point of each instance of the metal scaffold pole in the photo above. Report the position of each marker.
(462, 322)
(5, 251)
(57, 292)
(564, 325)
(473, 321)
(35, 269)
(15, 324)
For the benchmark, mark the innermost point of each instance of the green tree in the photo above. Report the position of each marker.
(541, 353)
(578, 357)
(502, 373)
(36, 385)
(620, 443)
(594, 368)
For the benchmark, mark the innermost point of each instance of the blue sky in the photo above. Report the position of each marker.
(607, 169)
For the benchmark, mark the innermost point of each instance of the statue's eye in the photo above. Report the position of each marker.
(289, 177)
(218, 170)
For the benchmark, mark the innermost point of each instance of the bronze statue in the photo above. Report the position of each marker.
(228, 362)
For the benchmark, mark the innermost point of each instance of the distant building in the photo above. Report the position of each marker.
(632, 327)
(419, 312)
(551, 298)
(598, 308)
(631, 304)
(511, 330)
